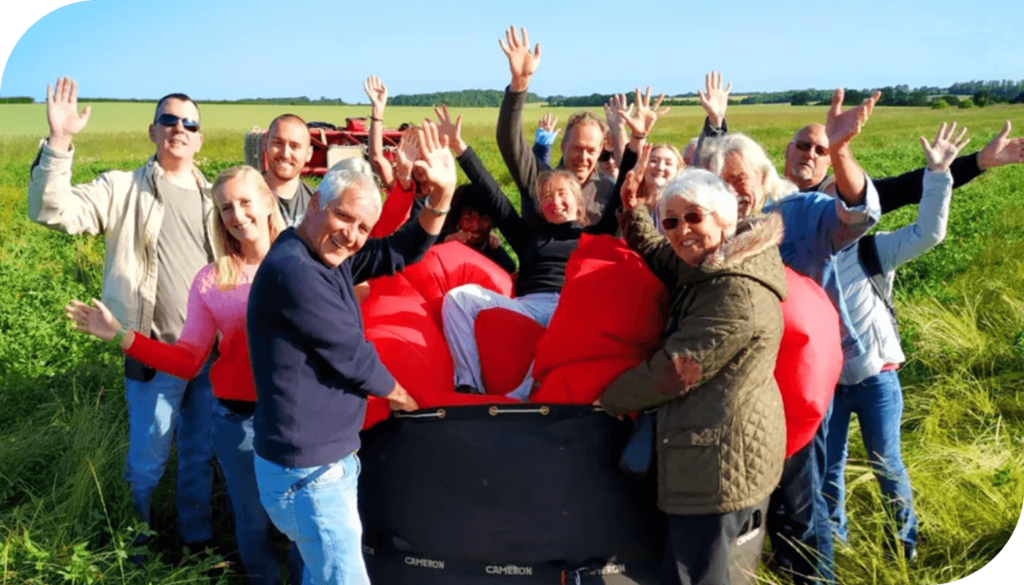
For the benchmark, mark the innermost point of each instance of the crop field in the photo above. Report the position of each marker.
(65, 512)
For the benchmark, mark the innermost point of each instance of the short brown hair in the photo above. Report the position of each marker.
(583, 117)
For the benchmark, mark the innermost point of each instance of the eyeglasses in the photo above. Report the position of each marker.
(172, 120)
(806, 146)
(692, 218)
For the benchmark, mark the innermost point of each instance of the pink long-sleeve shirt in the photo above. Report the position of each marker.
(210, 311)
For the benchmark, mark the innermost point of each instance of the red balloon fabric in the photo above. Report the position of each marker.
(402, 318)
(506, 342)
(609, 318)
(810, 358)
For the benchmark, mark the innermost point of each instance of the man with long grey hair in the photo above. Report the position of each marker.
(312, 364)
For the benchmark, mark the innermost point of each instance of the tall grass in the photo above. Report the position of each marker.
(65, 512)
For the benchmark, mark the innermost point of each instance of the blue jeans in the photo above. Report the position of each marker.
(878, 402)
(797, 519)
(232, 440)
(155, 409)
(316, 507)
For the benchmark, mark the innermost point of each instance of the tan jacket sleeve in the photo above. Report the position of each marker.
(55, 203)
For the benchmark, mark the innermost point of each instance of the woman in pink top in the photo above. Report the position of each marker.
(246, 222)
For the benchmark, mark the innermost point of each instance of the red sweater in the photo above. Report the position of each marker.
(210, 311)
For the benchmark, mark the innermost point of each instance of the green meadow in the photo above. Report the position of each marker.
(65, 512)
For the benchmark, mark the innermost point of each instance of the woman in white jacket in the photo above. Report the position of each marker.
(869, 385)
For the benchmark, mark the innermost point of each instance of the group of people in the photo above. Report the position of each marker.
(237, 306)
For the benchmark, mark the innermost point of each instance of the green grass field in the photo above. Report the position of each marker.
(65, 514)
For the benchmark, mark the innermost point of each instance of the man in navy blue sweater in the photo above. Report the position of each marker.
(312, 364)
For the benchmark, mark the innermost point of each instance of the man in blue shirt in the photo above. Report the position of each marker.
(312, 364)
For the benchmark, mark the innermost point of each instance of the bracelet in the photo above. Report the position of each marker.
(639, 136)
(119, 335)
(381, 120)
(432, 209)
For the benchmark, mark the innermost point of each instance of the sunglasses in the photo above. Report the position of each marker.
(172, 120)
(692, 218)
(807, 146)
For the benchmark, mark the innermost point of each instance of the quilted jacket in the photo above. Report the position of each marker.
(721, 431)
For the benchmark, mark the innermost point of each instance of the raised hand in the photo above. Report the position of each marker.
(641, 121)
(630, 193)
(841, 126)
(62, 113)
(716, 101)
(378, 94)
(611, 111)
(548, 124)
(453, 131)
(521, 61)
(943, 150)
(408, 152)
(97, 320)
(435, 166)
(1001, 150)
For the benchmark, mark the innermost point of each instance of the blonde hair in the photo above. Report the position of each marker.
(574, 189)
(227, 250)
(680, 165)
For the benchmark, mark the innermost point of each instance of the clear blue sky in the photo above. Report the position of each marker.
(216, 49)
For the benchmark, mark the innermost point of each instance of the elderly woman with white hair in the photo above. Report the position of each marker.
(720, 424)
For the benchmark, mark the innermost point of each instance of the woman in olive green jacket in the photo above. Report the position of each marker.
(720, 429)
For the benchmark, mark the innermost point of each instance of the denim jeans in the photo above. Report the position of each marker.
(155, 410)
(232, 440)
(316, 507)
(797, 520)
(878, 402)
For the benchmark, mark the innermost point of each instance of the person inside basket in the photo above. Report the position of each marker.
(312, 364)
(247, 223)
(155, 223)
(720, 431)
(288, 150)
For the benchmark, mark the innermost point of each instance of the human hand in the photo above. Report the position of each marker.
(378, 94)
(630, 193)
(641, 120)
(97, 320)
(408, 152)
(62, 113)
(611, 112)
(459, 236)
(841, 126)
(493, 240)
(399, 399)
(1001, 150)
(944, 149)
(521, 61)
(435, 166)
(716, 101)
(453, 131)
(546, 129)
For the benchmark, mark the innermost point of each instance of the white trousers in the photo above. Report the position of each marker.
(462, 305)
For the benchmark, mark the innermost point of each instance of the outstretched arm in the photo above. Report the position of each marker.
(378, 94)
(905, 244)
(841, 127)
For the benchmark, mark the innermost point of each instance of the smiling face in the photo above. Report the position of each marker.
(581, 148)
(557, 201)
(661, 168)
(476, 225)
(175, 142)
(243, 209)
(288, 148)
(807, 159)
(694, 241)
(341, 229)
(747, 183)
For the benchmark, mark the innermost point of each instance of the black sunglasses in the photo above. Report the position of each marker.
(671, 223)
(172, 120)
(806, 146)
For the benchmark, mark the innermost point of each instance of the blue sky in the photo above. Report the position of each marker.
(216, 49)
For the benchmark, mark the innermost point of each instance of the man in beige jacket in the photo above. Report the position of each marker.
(155, 220)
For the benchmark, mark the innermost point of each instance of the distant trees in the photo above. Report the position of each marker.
(16, 100)
(467, 98)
